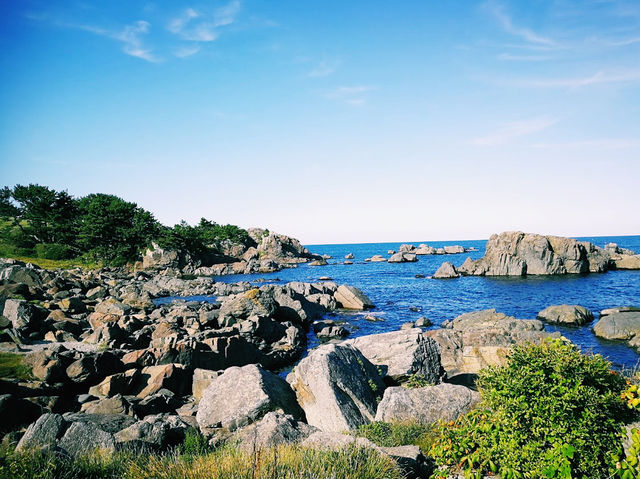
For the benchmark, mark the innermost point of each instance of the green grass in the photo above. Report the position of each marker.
(282, 462)
(59, 263)
(12, 366)
(387, 434)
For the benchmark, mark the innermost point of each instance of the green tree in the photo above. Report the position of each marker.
(7, 208)
(114, 230)
(42, 214)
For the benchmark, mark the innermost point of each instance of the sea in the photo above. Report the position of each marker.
(401, 295)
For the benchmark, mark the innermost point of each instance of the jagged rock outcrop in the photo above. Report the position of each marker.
(337, 387)
(520, 254)
(401, 354)
(475, 340)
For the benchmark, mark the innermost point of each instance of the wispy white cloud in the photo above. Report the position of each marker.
(523, 58)
(602, 143)
(130, 36)
(505, 21)
(199, 26)
(598, 78)
(186, 51)
(324, 68)
(513, 130)
(352, 95)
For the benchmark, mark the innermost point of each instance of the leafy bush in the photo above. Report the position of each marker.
(53, 251)
(416, 381)
(394, 434)
(550, 412)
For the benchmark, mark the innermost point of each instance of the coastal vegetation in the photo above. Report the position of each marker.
(54, 229)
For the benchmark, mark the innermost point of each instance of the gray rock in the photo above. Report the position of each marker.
(376, 258)
(45, 431)
(241, 306)
(22, 314)
(475, 340)
(403, 257)
(423, 322)
(519, 254)
(337, 387)
(427, 405)
(272, 430)
(623, 325)
(400, 354)
(243, 395)
(202, 378)
(454, 249)
(349, 297)
(566, 314)
(81, 437)
(445, 271)
(157, 432)
(620, 309)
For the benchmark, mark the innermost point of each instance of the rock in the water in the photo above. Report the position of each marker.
(623, 326)
(337, 387)
(427, 405)
(349, 256)
(349, 297)
(566, 314)
(242, 395)
(272, 430)
(519, 254)
(423, 322)
(376, 258)
(400, 354)
(403, 257)
(447, 270)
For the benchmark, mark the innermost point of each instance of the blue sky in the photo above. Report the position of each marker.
(333, 121)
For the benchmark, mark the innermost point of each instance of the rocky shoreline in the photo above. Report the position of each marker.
(113, 368)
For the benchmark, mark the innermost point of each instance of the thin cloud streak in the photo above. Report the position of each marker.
(323, 69)
(603, 143)
(598, 78)
(196, 26)
(522, 58)
(507, 24)
(129, 36)
(513, 130)
(352, 95)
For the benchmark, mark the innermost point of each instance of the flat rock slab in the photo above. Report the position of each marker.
(400, 354)
(566, 314)
(623, 325)
(426, 405)
(242, 395)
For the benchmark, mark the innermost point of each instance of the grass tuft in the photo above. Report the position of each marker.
(12, 366)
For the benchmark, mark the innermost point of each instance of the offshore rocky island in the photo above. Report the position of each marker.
(109, 364)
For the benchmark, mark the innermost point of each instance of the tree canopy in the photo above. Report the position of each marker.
(42, 221)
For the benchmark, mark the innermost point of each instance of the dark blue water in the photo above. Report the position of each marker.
(394, 289)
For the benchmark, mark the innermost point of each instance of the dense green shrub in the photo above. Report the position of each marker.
(550, 412)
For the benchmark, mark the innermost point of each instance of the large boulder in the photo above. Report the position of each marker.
(349, 297)
(427, 405)
(337, 387)
(241, 306)
(403, 257)
(519, 254)
(23, 314)
(624, 325)
(157, 432)
(401, 354)
(566, 314)
(475, 340)
(243, 395)
(272, 430)
(446, 271)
